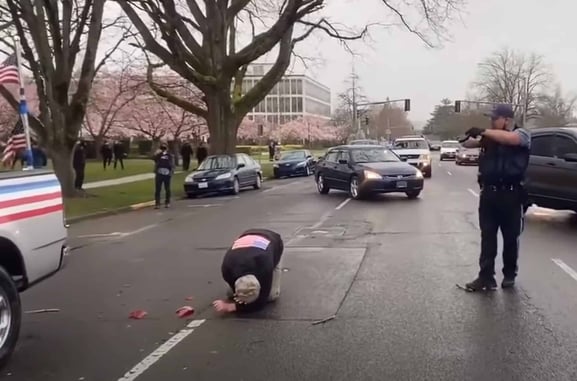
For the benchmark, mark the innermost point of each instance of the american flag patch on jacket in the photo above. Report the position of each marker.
(251, 241)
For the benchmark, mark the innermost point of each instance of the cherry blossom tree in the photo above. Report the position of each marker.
(112, 92)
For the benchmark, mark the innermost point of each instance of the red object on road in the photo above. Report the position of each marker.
(138, 314)
(185, 311)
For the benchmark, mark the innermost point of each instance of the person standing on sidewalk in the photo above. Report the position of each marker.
(252, 269)
(201, 152)
(163, 169)
(106, 154)
(503, 161)
(186, 153)
(79, 164)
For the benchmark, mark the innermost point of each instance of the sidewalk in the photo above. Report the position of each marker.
(120, 180)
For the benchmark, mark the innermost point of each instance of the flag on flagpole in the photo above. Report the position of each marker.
(9, 71)
(16, 142)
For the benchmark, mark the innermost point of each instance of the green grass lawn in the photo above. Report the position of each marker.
(118, 196)
(94, 171)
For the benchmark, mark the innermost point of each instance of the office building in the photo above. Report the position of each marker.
(295, 96)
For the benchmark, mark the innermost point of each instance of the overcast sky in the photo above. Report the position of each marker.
(398, 65)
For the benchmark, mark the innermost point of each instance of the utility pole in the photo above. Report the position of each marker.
(525, 101)
(354, 77)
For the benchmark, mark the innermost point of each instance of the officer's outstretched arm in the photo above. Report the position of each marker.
(472, 143)
(518, 137)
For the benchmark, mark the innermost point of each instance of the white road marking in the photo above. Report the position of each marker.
(342, 204)
(565, 267)
(204, 205)
(473, 192)
(157, 354)
(449, 173)
(98, 235)
(118, 234)
(142, 229)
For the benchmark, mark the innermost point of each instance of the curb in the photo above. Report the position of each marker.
(124, 209)
(111, 212)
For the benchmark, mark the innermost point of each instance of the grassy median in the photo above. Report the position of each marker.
(123, 195)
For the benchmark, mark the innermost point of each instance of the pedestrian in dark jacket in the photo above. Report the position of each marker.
(106, 155)
(186, 153)
(163, 169)
(201, 153)
(79, 164)
(252, 270)
(118, 150)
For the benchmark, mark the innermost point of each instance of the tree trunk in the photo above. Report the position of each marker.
(62, 163)
(222, 125)
(98, 143)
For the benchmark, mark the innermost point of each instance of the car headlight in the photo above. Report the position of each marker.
(224, 176)
(419, 174)
(189, 179)
(275, 165)
(371, 175)
(425, 157)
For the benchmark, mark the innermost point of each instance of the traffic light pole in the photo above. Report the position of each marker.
(357, 112)
(523, 106)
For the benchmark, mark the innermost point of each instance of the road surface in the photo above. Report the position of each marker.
(386, 267)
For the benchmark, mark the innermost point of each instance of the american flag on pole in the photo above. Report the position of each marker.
(16, 142)
(9, 71)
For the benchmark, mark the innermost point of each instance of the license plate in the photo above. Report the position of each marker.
(202, 185)
(401, 184)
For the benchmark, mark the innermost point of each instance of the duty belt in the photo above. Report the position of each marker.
(500, 187)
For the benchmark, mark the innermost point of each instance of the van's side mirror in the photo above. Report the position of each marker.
(240, 165)
(571, 157)
(342, 161)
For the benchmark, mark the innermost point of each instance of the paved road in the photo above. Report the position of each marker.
(386, 267)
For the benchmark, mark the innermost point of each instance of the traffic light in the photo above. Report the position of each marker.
(407, 105)
(367, 120)
(457, 106)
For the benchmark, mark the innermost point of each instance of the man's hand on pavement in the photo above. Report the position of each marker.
(222, 306)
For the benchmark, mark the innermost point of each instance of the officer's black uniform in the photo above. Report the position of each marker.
(163, 168)
(501, 206)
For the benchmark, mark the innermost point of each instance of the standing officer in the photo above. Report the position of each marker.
(503, 161)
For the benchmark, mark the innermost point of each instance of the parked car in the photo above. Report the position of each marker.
(33, 242)
(551, 179)
(362, 170)
(449, 149)
(435, 146)
(415, 150)
(467, 156)
(224, 174)
(294, 163)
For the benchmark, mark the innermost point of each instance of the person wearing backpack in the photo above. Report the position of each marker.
(163, 169)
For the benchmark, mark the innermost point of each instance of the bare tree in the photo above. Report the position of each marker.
(198, 40)
(60, 42)
(555, 109)
(512, 77)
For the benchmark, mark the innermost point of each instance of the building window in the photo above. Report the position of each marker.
(260, 107)
(274, 101)
(274, 90)
(285, 87)
(296, 86)
(317, 108)
(268, 104)
(297, 105)
(317, 92)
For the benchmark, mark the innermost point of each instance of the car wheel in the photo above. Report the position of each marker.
(428, 174)
(190, 195)
(354, 188)
(10, 316)
(235, 186)
(258, 183)
(413, 194)
(321, 185)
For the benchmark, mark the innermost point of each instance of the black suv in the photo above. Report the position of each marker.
(552, 174)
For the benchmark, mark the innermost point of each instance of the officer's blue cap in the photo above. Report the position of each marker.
(502, 111)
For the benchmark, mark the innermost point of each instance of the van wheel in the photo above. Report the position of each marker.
(10, 316)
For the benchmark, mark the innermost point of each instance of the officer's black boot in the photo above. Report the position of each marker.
(482, 284)
(508, 283)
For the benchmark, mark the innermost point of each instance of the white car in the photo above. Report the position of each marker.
(415, 151)
(449, 149)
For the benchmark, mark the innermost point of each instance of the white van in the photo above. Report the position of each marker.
(415, 151)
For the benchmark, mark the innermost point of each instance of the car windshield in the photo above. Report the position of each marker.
(451, 145)
(411, 144)
(217, 162)
(364, 142)
(294, 155)
(373, 156)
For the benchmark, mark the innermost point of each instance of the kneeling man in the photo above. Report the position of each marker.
(252, 270)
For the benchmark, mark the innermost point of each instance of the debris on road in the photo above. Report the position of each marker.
(189, 298)
(463, 288)
(43, 311)
(324, 320)
(185, 311)
(138, 314)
